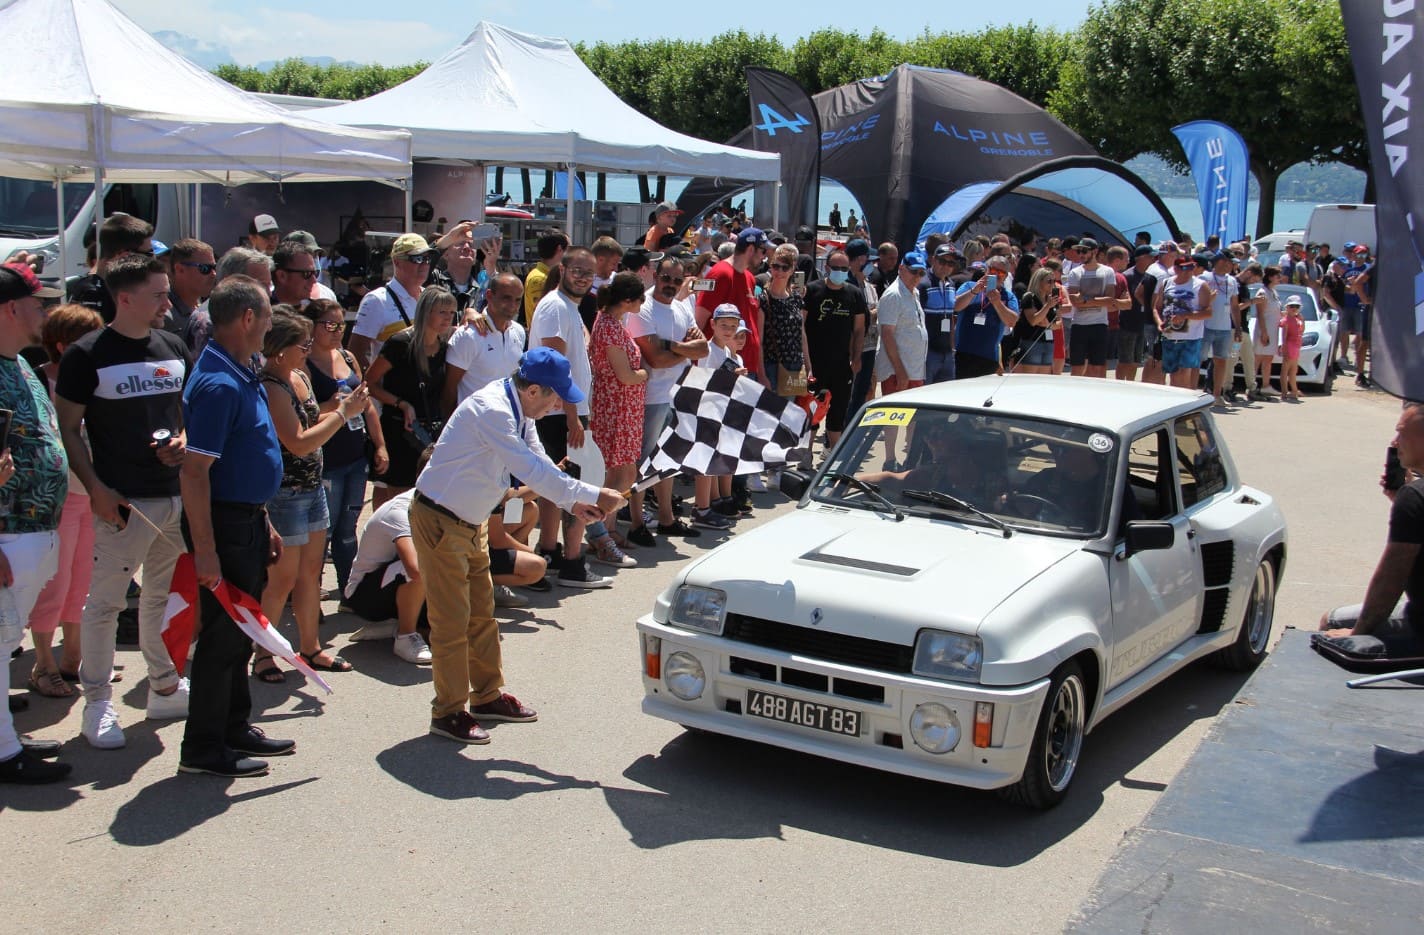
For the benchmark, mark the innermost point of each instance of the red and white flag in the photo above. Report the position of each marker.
(243, 608)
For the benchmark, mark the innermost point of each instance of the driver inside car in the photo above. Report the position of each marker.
(957, 462)
(1069, 493)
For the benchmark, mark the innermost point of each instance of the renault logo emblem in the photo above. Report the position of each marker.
(816, 616)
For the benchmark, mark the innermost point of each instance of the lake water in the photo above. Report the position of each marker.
(1290, 215)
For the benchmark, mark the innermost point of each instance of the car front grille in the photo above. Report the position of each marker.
(818, 644)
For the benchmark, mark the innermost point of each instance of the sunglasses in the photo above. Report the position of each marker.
(419, 259)
(666, 278)
(331, 326)
(307, 274)
(784, 267)
(303, 347)
(207, 269)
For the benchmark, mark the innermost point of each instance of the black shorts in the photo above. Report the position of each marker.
(372, 602)
(554, 435)
(1088, 344)
(501, 561)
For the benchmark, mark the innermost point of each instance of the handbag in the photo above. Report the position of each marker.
(791, 382)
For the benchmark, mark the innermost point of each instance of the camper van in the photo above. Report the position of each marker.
(1338, 225)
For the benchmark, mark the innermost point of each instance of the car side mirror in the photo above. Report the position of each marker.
(794, 483)
(1148, 536)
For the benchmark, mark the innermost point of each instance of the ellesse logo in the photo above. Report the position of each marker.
(145, 378)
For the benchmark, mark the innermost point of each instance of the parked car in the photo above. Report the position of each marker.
(1317, 344)
(1055, 548)
(1270, 248)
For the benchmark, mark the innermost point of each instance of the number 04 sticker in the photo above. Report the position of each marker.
(888, 416)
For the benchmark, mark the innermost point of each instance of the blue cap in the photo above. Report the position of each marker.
(857, 248)
(547, 367)
(159, 247)
(753, 235)
(1349, 245)
(914, 260)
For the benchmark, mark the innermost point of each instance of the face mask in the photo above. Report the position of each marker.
(838, 277)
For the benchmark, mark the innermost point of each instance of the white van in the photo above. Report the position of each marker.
(1338, 225)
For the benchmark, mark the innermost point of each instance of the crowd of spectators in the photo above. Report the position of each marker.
(341, 387)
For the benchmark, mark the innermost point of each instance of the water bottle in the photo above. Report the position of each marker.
(12, 626)
(356, 423)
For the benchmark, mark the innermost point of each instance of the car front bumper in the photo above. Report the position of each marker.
(883, 741)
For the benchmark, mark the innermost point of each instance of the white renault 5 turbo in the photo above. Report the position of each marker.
(979, 573)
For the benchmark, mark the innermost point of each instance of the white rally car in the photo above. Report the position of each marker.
(1040, 552)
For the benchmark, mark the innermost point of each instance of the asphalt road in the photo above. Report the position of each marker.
(598, 818)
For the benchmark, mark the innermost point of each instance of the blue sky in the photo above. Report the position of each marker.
(396, 33)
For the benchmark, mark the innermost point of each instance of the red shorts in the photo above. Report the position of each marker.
(892, 385)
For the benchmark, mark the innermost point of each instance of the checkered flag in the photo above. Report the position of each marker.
(722, 423)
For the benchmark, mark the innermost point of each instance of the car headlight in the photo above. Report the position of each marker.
(934, 728)
(1310, 340)
(697, 608)
(684, 676)
(943, 655)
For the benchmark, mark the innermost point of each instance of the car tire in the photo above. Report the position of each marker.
(1057, 742)
(1255, 633)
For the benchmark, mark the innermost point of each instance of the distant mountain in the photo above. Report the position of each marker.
(1331, 183)
(206, 55)
(320, 61)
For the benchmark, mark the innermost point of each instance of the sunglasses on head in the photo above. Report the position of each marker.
(307, 274)
(207, 269)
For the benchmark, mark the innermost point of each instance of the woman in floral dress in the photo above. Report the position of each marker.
(616, 410)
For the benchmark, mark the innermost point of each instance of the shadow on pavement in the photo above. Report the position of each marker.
(440, 768)
(1378, 805)
(174, 806)
(708, 787)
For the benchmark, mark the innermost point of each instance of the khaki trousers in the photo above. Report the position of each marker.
(459, 599)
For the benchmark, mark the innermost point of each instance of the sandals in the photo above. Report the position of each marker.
(272, 674)
(50, 684)
(337, 664)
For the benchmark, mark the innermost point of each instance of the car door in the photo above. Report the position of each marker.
(1156, 595)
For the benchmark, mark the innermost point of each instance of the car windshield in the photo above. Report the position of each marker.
(1028, 474)
(27, 208)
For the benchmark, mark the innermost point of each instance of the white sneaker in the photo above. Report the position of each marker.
(170, 706)
(101, 726)
(755, 484)
(411, 648)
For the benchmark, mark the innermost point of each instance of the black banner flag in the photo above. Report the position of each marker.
(784, 121)
(1386, 39)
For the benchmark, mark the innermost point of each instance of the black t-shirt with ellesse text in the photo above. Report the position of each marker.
(129, 387)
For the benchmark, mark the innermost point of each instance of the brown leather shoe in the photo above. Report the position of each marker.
(460, 726)
(504, 708)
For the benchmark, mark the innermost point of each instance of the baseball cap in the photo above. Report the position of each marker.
(635, 258)
(1349, 245)
(1294, 300)
(667, 206)
(1087, 243)
(1167, 246)
(159, 247)
(1341, 260)
(742, 328)
(408, 245)
(547, 367)
(1223, 255)
(1204, 260)
(857, 248)
(752, 235)
(265, 224)
(1293, 243)
(726, 310)
(18, 280)
(1146, 250)
(804, 233)
(1359, 248)
(914, 260)
(306, 239)
(946, 249)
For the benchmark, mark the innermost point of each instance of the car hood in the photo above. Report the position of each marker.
(862, 574)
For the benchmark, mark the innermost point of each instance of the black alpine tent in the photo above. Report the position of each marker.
(905, 143)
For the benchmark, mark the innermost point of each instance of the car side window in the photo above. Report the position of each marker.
(1199, 465)
(1149, 478)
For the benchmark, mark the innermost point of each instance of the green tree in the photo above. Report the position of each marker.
(1139, 67)
(1025, 59)
(305, 79)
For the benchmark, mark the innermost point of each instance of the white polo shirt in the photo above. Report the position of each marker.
(484, 357)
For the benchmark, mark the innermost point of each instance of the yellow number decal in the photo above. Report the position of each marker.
(888, 416)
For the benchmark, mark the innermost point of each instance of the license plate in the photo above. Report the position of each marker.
(804, 713)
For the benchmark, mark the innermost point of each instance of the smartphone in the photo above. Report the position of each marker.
(991, 282)
(1393, 469)
(484, 231)
(703, 285)
(798, 279)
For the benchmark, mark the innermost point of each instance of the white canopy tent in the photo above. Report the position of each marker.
(509, 98)
(88, 93)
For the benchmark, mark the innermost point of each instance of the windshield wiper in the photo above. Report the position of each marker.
(943, 499)
(870, 490)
